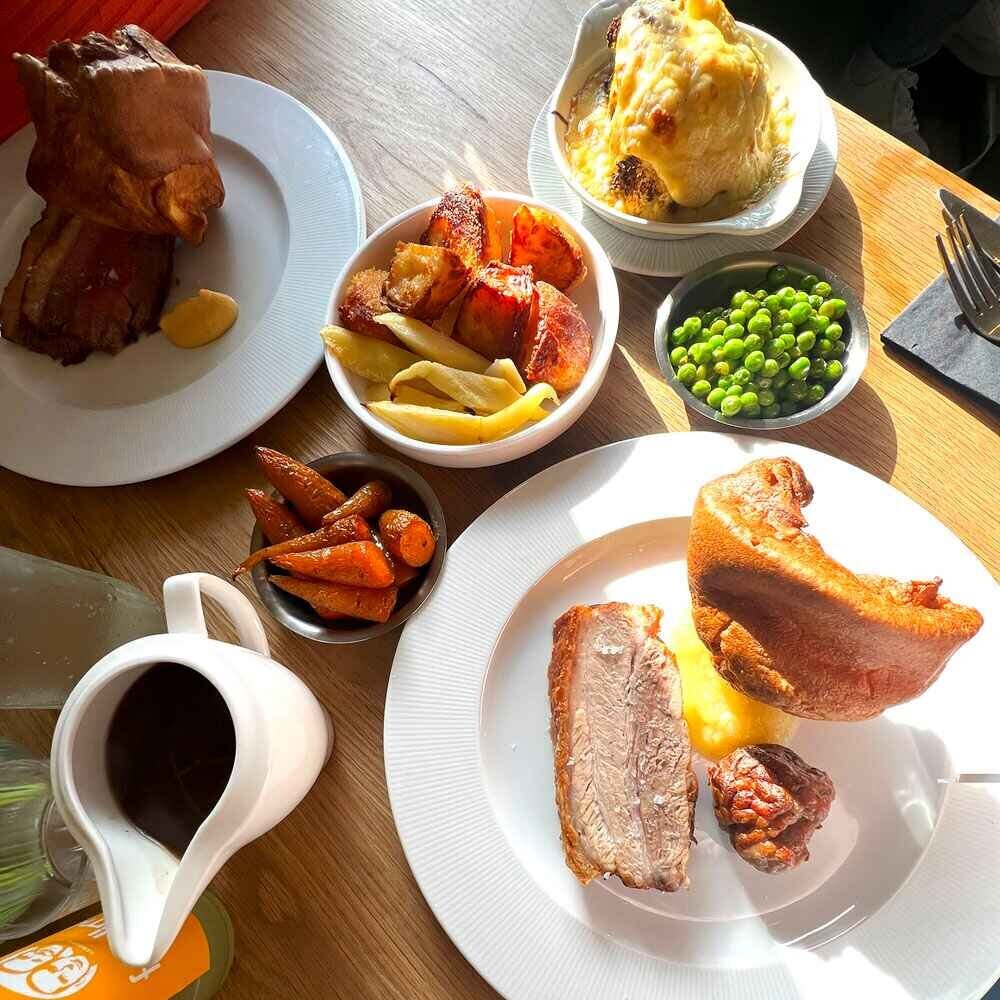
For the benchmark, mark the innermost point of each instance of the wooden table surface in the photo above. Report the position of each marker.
(422, 93)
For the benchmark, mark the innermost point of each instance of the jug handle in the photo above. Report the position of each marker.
(184, 612)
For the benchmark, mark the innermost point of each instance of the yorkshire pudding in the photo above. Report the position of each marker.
(789, 626)
(123, 134)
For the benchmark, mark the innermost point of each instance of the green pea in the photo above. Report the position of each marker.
(815, 301)
(734, 389)
(798, 369)
(738, 316)
(787, 330)
(701, 388)
(787, 297)
(784, 359)
(722, 368)
(834, 331)
(686, 373)
(753, 342)
(733, 331)
(725, 381)
(678, 356)
(788, 407)
(739, 298)
(760, 326)
(760, 294)
(770, 368)
(715, 398)
(772, 411)
(743, 376)
(774, 347)
(777, 276)
(817, 368)
(734, 349)
(808, 282)
(751, 307)
(718, 328)
(823, 347)
(787, 341)
(822, 289)
(679, 336)
(754, 361)
(801, 296)
(800, 312)
(703, 371)
(782, 315)
(806, 340)
(693, 325)
(761, 382)
(837, 349)
(716, 340)
(834, 370)
(719, 354)
(795, 352)
(796, 391)
(699, 353)
(766, 397)
(731, 406)
(817, 323)
(779, 380)
(815, 394)
(772, 303)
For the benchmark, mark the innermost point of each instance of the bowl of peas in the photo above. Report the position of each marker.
(762, 340)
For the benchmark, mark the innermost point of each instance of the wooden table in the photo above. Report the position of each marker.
(422, 93)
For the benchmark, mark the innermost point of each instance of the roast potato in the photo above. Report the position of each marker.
(363, 301)
(540, 239)
(495, 310)
(556, 343)
(463, 222)
(422, 280)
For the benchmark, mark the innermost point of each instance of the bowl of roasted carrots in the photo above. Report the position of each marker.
(347, 547)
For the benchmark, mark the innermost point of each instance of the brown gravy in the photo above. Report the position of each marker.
(170, 751)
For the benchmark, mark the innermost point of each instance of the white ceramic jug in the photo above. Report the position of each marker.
(283, 738)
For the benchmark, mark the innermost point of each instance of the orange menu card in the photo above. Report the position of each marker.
(31, 25)
(77, 962)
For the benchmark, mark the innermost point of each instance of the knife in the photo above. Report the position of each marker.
(982, 226)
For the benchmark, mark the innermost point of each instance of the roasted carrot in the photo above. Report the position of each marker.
(331, 601)
(347, 529)
(306, 490)
(401, 573)
(369, 501)
(356, 564)
(407, 536)
(277, 522)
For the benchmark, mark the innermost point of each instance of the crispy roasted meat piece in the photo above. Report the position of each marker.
(80, 287)
(123, 134)
(771, 802)
(625, 790)
(793, 628)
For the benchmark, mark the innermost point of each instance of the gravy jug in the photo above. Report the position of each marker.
(281, 738)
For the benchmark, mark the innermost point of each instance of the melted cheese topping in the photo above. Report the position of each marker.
(719, 717)
(682, 125)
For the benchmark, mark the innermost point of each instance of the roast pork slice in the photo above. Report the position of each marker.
(625, 789)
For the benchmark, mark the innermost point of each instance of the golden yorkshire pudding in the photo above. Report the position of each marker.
(789, 626)
(123, 134)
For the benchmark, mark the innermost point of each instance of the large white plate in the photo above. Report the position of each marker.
(670, 258)
(292, 217)
(899, 898)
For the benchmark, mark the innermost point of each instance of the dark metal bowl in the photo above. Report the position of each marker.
(350, 470)
(714, 283)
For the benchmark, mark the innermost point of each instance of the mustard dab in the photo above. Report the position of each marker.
(719, 717)
(199, 320)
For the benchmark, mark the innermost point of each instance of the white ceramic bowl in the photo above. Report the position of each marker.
(770, 211)
(596, 296)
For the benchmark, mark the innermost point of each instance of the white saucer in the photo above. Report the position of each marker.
(671, 258)
(292, 217)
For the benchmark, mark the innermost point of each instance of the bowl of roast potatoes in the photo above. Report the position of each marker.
(473, 329)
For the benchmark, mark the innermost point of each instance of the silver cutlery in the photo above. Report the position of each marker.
(974, 278)
(986, 230)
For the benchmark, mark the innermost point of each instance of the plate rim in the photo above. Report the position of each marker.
(398, 741)
(242, 427)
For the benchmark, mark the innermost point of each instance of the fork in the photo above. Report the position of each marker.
(975, 283)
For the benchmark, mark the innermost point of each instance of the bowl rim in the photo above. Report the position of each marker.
(325, 465)
(855, 358)
(571, 406)
(635, 224)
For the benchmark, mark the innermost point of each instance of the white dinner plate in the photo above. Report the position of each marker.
(898, 899)
(670, 258)
(292, 217)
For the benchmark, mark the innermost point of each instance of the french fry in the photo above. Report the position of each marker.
(481, 393)
(369, 501)
(407, 537)
(277, 522)
(331, 601)
(355, 564)
(528, 409)
(425, 423)
(371, 359)
(348, 529)
(305, 489)
(506, 369)
(417, 397)
(433, 345)
(377, 392)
